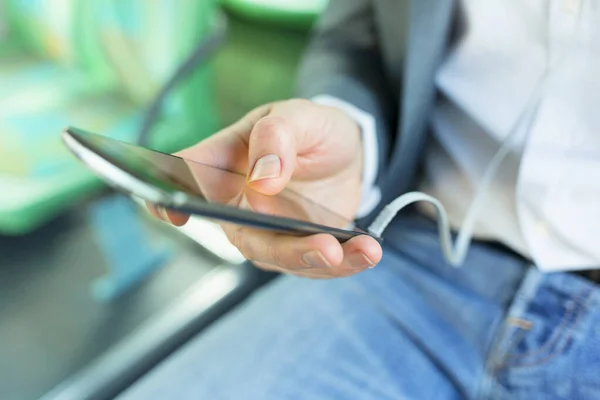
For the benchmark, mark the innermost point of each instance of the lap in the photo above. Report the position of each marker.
(413, 327)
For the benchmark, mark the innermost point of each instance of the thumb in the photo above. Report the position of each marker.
(272, 155)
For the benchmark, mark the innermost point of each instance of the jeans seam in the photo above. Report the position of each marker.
(582, 301)
(491, 365)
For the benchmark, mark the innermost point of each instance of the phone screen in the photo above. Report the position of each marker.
(207, 183)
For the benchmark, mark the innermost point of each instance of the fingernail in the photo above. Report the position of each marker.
(266, 167)
(316, 259)
(360, 261)
(164, 215)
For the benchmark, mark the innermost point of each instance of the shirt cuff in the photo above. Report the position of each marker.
(370, 193)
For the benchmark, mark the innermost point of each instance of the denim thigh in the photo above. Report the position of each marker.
(411, 328)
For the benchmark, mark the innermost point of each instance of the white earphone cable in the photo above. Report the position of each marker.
(455, 254)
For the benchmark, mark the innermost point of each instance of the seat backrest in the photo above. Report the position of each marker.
(145, 41)
(45, 28)
(299, 14)
(3, 22)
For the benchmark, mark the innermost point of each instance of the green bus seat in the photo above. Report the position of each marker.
(266, 40)
(94, 64)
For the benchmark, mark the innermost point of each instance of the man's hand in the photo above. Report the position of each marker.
(312, 149)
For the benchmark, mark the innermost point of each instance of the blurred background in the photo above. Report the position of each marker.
(93, 292)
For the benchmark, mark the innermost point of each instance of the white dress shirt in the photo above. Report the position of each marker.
(544, 201)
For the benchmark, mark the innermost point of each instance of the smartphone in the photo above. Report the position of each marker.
(194, 188)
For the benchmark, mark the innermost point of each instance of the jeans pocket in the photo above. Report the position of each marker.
(545, 330)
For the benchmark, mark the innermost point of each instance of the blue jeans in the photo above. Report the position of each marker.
(411, 328)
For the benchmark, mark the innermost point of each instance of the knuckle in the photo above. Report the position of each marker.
(275, 255)
(268, 127)
(297, 103)
(246, 251)
(238, 239)
(231, 233)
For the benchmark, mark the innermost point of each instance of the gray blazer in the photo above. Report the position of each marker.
(381, 55)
